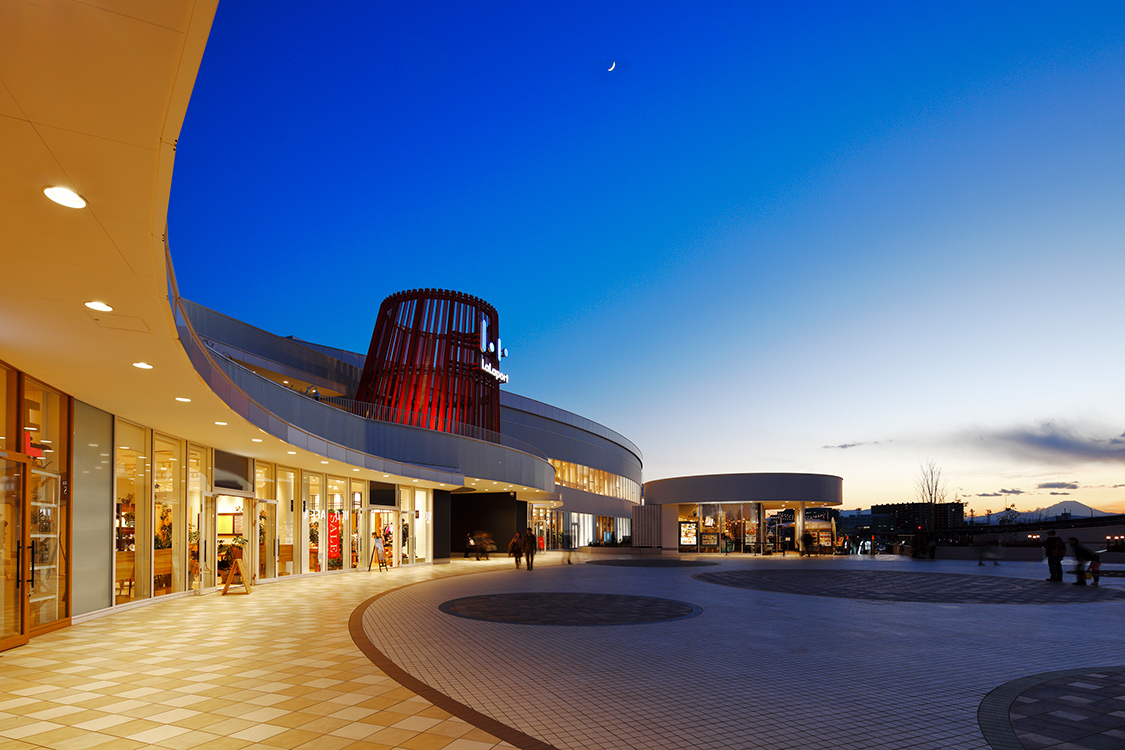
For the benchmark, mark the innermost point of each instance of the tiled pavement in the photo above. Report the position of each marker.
(756, 669)
(274, 669)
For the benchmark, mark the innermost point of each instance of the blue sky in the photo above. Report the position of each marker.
(769, 232)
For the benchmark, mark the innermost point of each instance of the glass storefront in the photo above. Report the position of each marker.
(730, 527)
(360, 544)
(169, 538)
(266, 541)
(579, 477)
(287, 506)
(414, 525)
(313, 495)
(334, 522)
(201, 546)
(133, 526)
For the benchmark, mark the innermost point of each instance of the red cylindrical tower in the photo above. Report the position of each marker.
(434, 362)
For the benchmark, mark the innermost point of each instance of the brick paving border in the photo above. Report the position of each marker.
(1076, 709)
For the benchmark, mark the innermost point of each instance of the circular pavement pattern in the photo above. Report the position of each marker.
(1074, 709)
(563, 608)
(658, 562)
(895, 586)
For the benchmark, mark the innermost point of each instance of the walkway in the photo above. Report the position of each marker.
(700, 664)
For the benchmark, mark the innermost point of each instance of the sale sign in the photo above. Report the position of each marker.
(333, 535)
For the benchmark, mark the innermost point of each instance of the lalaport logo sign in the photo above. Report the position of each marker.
(488, 347)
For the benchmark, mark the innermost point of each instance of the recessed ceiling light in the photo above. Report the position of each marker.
(181, 399)
(142, 365)
(355, 469)
(386, 475)
(255, 440)
(99, 306)
(221, 424)
(65, 197)
(415, 480)
(324, 462)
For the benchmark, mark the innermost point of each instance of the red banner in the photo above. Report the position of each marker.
(333, 535)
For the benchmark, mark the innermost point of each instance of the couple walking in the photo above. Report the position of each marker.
(524, 544)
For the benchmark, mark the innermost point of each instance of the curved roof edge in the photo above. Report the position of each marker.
(824, 489)
(531, 406)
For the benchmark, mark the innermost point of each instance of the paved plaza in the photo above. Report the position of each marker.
(747, 653)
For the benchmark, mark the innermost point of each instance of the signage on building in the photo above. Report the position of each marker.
(487, 347)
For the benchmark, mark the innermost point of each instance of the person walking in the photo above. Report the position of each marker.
(530, 546)
(568, 546)
(515, 548)
(1055, 550)
(1082, 555)
(470, 545)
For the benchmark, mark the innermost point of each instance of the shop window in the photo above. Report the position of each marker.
(314, 513)
(169, 537)
(286, 494)
(334, 523)
(8, 410)
(201, 571)
(133, 527)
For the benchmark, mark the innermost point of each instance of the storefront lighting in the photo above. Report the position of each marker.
(142, 365)
(183, 400)
(64, 197)
(99, 306)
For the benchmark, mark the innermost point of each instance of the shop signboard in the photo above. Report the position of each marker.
(688, 532)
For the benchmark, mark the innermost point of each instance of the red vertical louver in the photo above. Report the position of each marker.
(424, 366)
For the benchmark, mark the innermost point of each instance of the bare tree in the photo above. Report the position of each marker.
(930, 486)
(930, 489)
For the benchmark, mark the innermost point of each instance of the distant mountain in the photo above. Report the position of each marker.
(1061, 508)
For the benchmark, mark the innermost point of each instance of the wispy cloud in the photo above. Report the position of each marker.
(1057, 486)
(1060, 493)
(1001, 493)
(1055, 440)
(851, 445)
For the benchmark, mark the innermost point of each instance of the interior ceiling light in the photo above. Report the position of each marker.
(99, 306)
(183, 400)
(142, 365)
(65, 197)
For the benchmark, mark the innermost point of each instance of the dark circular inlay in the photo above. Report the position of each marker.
(1075, 708)
(658, 562)
(900, 586)
(562, 608)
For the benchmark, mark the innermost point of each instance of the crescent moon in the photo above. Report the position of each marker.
(611, 67)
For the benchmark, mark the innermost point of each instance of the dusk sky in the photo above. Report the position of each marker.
(827, 237)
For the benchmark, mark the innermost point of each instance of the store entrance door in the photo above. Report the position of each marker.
(382, 525)
(13, 544)
(267, 539)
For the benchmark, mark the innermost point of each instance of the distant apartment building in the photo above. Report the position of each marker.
(922, 516)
